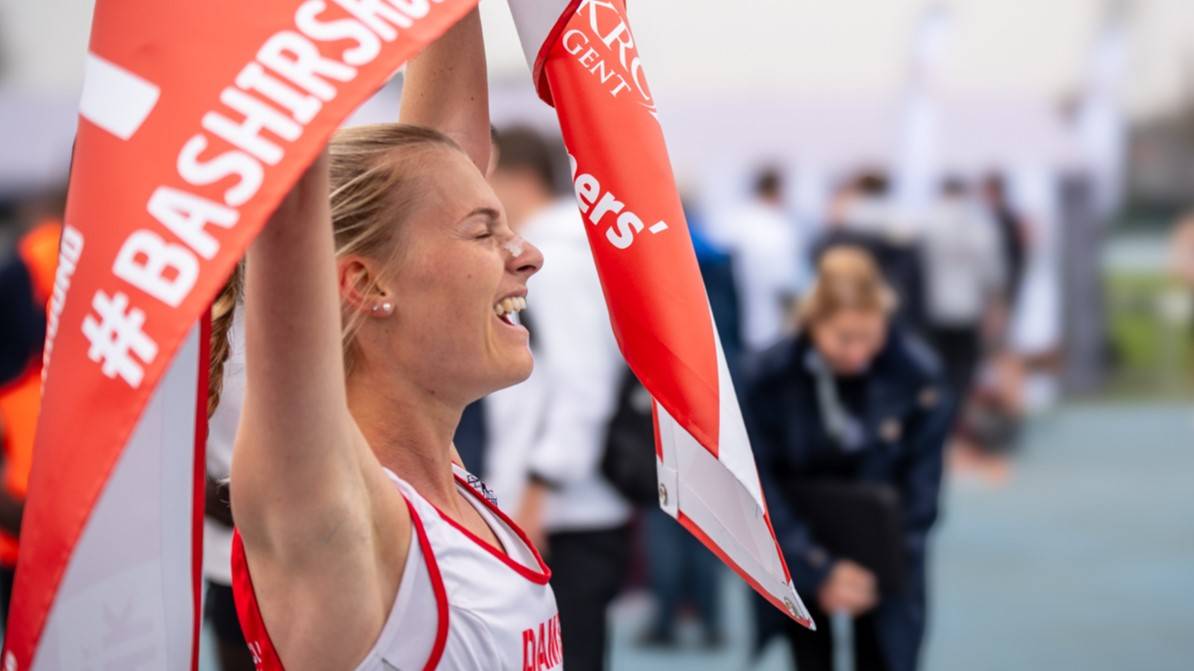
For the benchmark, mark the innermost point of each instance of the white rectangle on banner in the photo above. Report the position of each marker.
(115, 99)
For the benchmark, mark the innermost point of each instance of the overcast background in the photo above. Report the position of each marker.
(847, 46)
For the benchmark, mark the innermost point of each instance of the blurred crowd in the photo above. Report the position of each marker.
(870, 349)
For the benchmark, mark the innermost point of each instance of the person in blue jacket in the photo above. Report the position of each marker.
(851, 399)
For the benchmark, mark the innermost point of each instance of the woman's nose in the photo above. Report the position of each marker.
(525, 258)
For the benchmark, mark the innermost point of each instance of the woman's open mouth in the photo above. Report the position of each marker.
(507, 310)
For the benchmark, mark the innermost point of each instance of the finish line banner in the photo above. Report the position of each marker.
(195, 120)
(585, 63)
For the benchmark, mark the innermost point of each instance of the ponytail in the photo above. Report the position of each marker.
(223, 310)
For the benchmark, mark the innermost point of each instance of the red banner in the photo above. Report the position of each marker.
(586, 64)
(196, 118)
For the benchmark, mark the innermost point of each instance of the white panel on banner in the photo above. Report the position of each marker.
(733, 444)
(114, 98)
(724, 510)
(128, 586)
(534, 20)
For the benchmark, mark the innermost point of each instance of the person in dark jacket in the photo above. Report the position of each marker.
(851, 399)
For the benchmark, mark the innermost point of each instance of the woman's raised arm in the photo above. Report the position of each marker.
(447, 88)
(297, 446)
(306, 489)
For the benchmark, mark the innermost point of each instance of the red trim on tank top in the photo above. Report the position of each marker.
(540, 577)
(437, 586)
(265, 655)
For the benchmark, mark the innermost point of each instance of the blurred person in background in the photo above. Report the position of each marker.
(567, 505)
(991, 417)
(769, 259)
(719, 274)
(848, 422)
(862, 215)
(965, 282)
(26, 283)
(1012, 233)
(682, 572)
(1181, 253)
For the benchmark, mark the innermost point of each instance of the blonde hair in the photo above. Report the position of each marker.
(223, 308)
(375, 184)
(847, 279)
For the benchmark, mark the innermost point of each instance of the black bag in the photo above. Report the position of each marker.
(860, 521)
(628, 462)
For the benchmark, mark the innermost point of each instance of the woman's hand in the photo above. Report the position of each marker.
(849, 589)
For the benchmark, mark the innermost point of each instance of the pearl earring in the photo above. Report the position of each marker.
(383, 308)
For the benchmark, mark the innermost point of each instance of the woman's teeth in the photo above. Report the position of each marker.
(507, 308)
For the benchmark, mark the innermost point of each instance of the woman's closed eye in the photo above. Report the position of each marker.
(482, 223)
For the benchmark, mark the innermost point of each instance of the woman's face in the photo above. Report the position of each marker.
(458, 266)
(850, 339)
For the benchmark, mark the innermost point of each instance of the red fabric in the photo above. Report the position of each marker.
(193, 53)
(199, 482)
(39, 251)
(20, 400)
(265, 657)
(19, 403)
(644, 256)
(589, 69)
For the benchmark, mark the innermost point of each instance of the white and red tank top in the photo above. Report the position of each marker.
(462, 603)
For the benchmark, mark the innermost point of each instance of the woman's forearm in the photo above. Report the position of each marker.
(447, 88)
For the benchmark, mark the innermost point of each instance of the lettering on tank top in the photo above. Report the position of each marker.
(542, 648)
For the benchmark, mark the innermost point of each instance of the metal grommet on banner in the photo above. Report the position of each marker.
(791, 606)
(662, 494)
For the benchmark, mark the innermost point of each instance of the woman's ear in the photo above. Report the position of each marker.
(360, 290)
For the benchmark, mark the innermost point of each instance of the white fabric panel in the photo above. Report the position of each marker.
(534, 20)
(114, 98)
(127, 601)
(733, 445)
(709, 494)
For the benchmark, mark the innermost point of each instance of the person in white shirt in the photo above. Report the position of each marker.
(565, 502)
(769, 260)
(964, 280)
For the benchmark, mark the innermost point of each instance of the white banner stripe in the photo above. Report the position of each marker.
(115, 99)
(733, 443)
